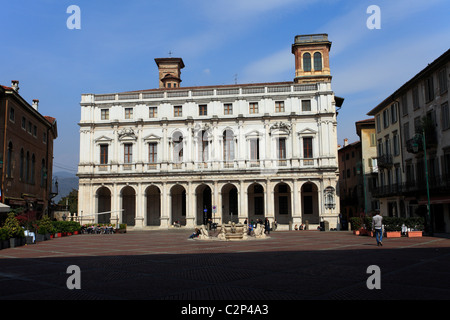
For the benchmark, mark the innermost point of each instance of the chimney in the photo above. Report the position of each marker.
(15, 85)
(345, 142)
(35, 104)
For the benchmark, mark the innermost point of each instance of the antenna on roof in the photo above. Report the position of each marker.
(170, 54)
(235, 78)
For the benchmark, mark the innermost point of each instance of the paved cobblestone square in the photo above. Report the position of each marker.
(166, 265)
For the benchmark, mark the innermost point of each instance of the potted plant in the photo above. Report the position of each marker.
(122, 228)
(392, 227)
(4, 237)
(356, 224)
(15, 231)
(415, 226)
(45, 227)
(368, 226)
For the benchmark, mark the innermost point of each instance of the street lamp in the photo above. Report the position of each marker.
(415, 147)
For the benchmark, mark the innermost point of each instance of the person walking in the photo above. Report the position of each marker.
(267, 226)
(377, 227)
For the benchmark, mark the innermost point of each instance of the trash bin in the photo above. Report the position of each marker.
(322, 226)
(326, 225)
(290, 225)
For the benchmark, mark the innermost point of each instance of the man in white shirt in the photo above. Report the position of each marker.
(377, 226)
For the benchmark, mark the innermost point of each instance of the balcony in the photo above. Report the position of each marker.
(437, 185)
(385, 161)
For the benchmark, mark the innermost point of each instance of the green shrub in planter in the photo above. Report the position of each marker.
(393, 223)
(45, 226)
(368, 223)
(13, 227)
(356, 223)
(415, 223)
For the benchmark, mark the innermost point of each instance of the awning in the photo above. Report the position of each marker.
(4, 207)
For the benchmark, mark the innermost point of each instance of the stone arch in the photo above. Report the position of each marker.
(128, 194)
(103, 196)
(178, 204)
(310, 202)
(282, 202)
(204, 199)
(230, 202)
(256, 200)
(153, 207)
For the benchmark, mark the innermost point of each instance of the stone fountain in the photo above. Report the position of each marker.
(233, 232)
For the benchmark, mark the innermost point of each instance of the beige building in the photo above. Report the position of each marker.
(407, 170)
(152, 158)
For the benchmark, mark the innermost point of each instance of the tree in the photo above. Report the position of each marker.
(71, 200)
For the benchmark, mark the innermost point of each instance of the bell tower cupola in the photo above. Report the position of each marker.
(169, 72)
(312, 58)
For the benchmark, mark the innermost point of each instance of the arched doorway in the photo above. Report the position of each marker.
(128, 206)
(310, 203)
(178, 205)
(255, 194)
(104, 205)
(204, 204)
(230, 206)
(282, 203)
(153, 195)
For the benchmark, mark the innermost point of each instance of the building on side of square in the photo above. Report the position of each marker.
(26, 157)
(158, 157)
(407, 183)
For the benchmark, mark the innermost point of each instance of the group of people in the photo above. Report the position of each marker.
(97, 229)
(252, 225)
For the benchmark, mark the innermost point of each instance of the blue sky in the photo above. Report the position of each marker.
(115, 48)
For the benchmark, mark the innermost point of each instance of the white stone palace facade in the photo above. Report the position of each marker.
(152, 158)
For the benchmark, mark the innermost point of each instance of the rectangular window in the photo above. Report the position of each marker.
(279, 106)
(253, 107)
(443, 84)
(429, 89)
(445, 115)
(11, 114)
(177, 111)
(396, 145)
(306, 105)
(373, 139)
(254, 149)
(378, 123)
(405, 105)
(24, 123)
(152, 152)
(415, 94)
(128, 153)
(386, 118)
(105, 114)
(281, 148)
(202, 110)
(44, 137)
(103, 154)
(307, 148)
(228, 108)
(152, 112)
(394, 108)
(34, 131)
(406, 131)
(30, 127)
(128, 113)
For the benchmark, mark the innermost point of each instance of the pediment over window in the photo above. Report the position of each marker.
(103, 139)
(152, 137)
(253, 134)
(307, 131)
